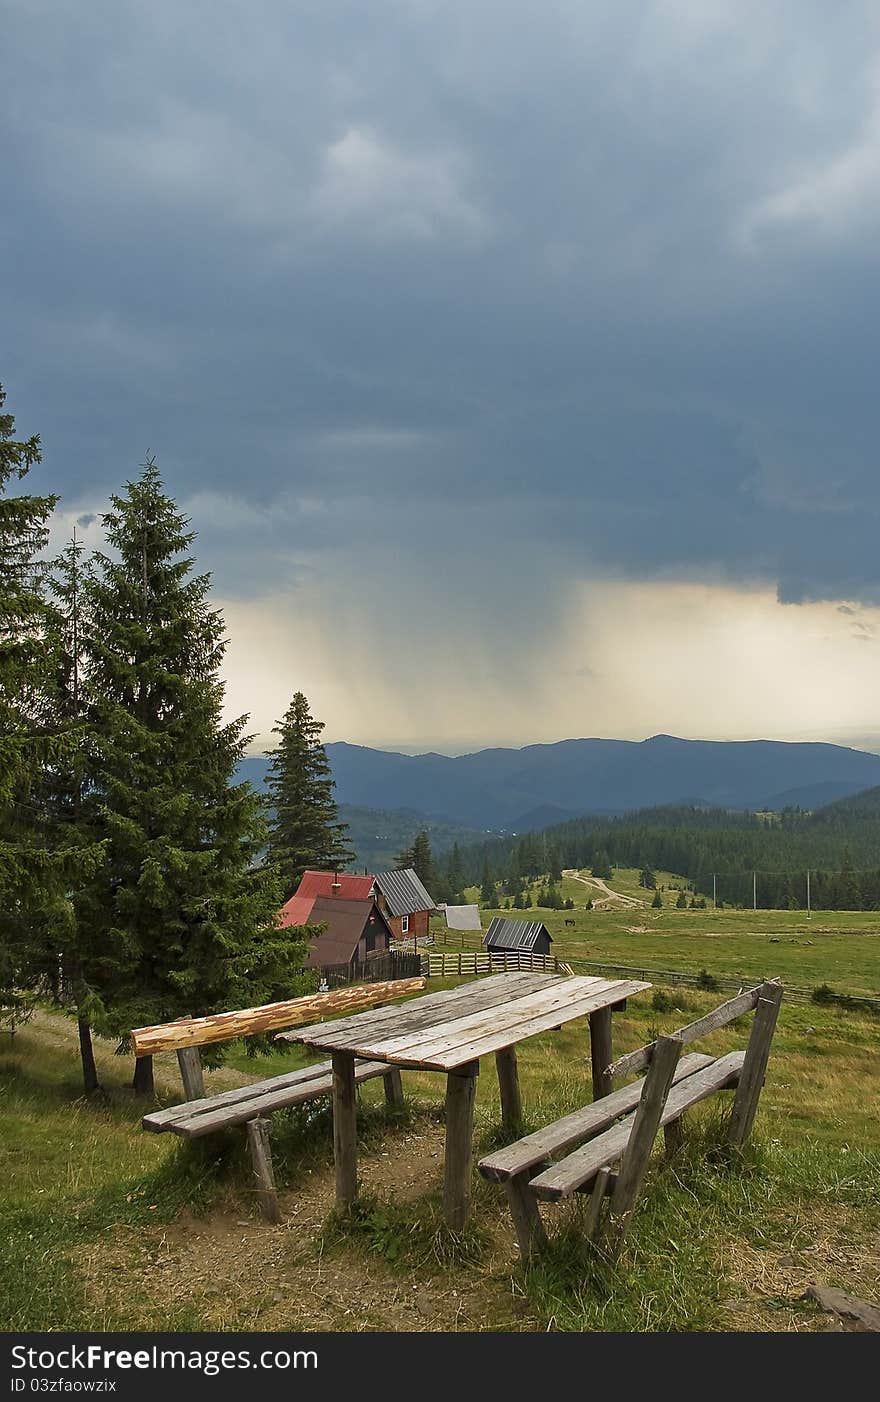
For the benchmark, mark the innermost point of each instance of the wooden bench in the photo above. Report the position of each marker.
(252, 1105)
(619, 1128)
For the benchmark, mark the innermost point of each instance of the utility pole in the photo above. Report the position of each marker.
(809, 910)
(714, 902)
(754, 890)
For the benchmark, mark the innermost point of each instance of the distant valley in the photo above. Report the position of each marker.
(387, 797)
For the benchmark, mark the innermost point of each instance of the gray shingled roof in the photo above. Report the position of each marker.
(514, 934)
(463, 917)
(404, 892)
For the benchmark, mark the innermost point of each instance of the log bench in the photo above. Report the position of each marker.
(252, 1105)
(604, 1148)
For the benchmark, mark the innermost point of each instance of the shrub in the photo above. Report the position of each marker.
(707, 981)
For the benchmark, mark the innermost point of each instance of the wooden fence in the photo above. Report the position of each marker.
(451, 962)
(383, 966)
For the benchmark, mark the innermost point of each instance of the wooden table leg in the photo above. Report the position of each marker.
(508, 1087)
(393, 1087)
(461, 1085)
(600, 1052)
(344, 1128)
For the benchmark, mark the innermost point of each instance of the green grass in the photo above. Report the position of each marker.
(841, 948)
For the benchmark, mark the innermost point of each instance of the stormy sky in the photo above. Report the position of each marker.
(517, 364)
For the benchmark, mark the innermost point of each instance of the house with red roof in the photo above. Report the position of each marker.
(354, 928)
(362, 913)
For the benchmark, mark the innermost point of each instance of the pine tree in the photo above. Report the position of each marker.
(488, 893)
(305, 833)
(66, 789)
(423, 861)
(455, 875)
(182, 918)
(36, 866)
(657, 902)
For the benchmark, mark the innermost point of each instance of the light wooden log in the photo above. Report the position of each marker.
(634, 1164)
(393, 1088)
(190, 1064)
(461, 1087)
(640, 1058)
(344, 1128)
(261, 1162)
(600, 1052)
(247, 1022)
(508, 1088)
(751, 1081)
(527, 1224)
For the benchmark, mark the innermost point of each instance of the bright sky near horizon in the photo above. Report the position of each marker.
(516, 365)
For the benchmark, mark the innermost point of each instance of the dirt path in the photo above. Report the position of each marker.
(608, 898)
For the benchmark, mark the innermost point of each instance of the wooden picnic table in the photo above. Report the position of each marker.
(450, 1031)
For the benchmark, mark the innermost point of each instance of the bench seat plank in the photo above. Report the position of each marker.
(197, 1117)
(572, 1129)
(580, 1167)
(161, 1119)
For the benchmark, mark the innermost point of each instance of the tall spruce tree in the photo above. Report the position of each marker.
(66, 790)
(36, 865)
(182, 918)
(304, 828)
(421, 859)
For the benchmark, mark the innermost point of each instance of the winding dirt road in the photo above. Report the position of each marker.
(608, 898)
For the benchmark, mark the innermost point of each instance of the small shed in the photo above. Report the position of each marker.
(463, 917)
(525, 936)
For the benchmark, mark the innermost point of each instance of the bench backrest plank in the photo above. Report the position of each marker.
(581, 1166)
(719, 1017)
(249, 1022)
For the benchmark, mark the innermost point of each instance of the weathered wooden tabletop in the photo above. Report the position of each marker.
(445, 1030)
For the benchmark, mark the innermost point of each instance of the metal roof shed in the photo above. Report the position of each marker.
(531, 936)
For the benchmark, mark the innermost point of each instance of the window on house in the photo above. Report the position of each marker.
(404, 924)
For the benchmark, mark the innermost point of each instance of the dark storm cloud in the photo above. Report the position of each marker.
(603, 279)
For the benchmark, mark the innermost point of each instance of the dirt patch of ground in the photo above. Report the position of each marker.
(235, 1271)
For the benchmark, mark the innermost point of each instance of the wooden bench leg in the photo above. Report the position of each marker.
(461, 1086)
(751, 1080)
(393, 1088)
(634, 1165)
(600, 1188)
(508, 1087)
(600, 1052)
(344, 1128)
(527, 1224)
(261, 1162)
(190, 1064)
(673, 1137)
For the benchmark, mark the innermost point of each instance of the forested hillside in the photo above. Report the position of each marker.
(763, 856)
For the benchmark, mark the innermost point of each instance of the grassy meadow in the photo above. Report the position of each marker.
(107, 1227)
